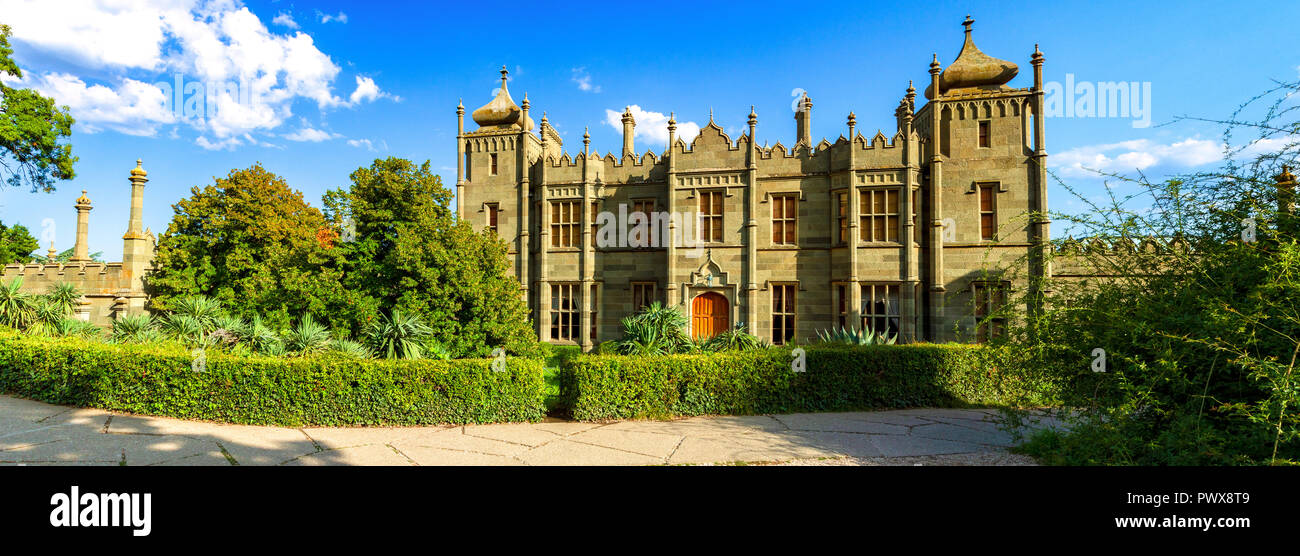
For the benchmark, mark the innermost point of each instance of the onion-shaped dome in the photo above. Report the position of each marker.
(501, 111)
(139, 169)
(973, 68)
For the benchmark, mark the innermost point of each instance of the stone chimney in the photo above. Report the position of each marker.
(81, 251)
(803, 121)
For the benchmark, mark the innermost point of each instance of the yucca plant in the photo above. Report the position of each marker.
(15, 304)
(185, 328)
(735, 339)
(204, 310)
(308, 337)
(135, 328)
(854, 337)
(229, 330)
(45, 316)
(63, 296)
(350, 348)
(399, 335)
(77, 328)
(262, 338)
(656, 330)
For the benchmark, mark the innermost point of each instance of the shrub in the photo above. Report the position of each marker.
(598, 387)
(317, 390)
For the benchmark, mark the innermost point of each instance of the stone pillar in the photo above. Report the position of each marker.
(460, 160)
(803, 121)
(851, 196)
(671, 298)
(907, 293)
(751, 228)
(1040, 266)
(587, 263)
(525, 199)
(937, 284)
(81, 251)
(137, 249)
(629, 128)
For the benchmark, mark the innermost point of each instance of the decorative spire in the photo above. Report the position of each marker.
(52, 253)
(460, 107)
(502, 110)
(1037, 58)
(1286, 176)
(586, 136)
(139, 169)
(627, 115)
(672, 121)
(934, 64)
(968, 23)
(753, 116)
(83, 199)
(972, 69)
(853, 120)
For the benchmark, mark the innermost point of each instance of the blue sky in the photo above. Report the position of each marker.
(348, 82)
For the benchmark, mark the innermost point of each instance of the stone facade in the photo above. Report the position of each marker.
(108, 289)
(888, 230)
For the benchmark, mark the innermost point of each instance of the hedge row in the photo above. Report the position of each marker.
(601, 387)
(267, 390)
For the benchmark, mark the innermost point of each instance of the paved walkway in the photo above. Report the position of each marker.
(33, 433)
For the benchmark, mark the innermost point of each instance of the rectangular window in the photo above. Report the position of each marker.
(711, 216)
(595, 312)
(842, 306)
(783, 313)
(643, 294)
(916, 207)
(493, 157)
(842, 199)
(595, 228)
(492, 213)
(990, 321)
(988, 212)
(564, 312)
(879, 219)
(643, 206)
(785, 212)
(880, 306)
(564, 223)
(984, 134)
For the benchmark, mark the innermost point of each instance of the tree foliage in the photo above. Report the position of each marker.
(16, 244)
(249, 241)
(31, 128)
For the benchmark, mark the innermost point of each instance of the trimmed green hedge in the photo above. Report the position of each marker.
(266, 390)
(600, 387)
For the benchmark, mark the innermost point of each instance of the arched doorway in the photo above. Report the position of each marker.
(709, 315)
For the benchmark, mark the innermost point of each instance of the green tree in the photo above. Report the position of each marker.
(412, 254)
(31, 127)
(16, 244)
(250, 242)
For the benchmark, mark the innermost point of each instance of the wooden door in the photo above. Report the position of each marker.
(709, 315)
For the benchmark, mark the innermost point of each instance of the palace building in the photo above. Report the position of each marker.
(889, 231)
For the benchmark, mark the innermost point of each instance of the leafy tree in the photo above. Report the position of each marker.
(412, 254)
(249, 242)
(16, 244)
(31, 127)
(65, 256)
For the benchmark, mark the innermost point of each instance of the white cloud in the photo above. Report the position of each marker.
(285, 19)
(1137, 154)
(651, 127)
(311, 135)
(362, 143)
(583, 79)
(367, 90)
(134, 108)
(326, 18)
(236, 76)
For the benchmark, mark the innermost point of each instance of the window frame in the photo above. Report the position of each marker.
(891, 317)
(639, 294)
(560, 225)
(493, 216)
(984, 295)
(785, 312)
(984, 134)
(709, 220)
(991, 213)
(868, 217)
(785, 226)
(565, 318)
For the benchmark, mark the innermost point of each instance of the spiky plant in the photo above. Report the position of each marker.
(229, 330)
(45, 316)
(15, 304)
(185, 328)
(202, 309)
(656, 330)
(350, 348)
(854, 337)
(398, 335)
(262, 338)
(77, 328)
(63, 296)
(735, 339)
(134, 328)
(308, 337)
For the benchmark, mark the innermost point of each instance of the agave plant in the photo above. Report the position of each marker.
(736, 339)
(134, 329)
(76, 328)
(399, 335)
(63, 296)
(229, 330)
(308, 337)
(854, 337)
(656, 330)
(15, 304)
(350, 348)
